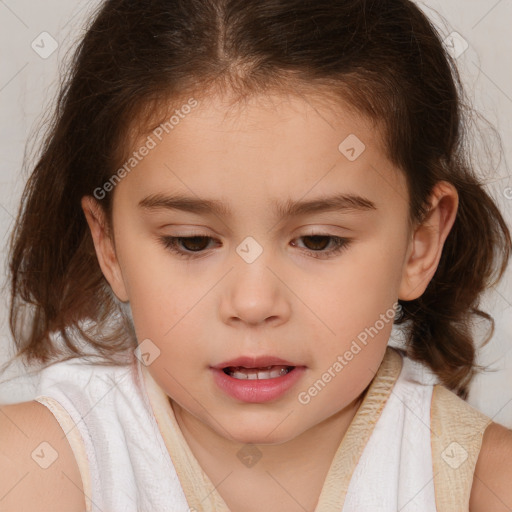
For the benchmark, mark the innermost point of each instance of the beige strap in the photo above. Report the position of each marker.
(75, 441)
(457, 430)
(202, 495)
(335, 488)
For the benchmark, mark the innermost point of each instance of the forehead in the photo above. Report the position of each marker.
(275, 146)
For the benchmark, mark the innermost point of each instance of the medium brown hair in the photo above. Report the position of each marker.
(384, 57)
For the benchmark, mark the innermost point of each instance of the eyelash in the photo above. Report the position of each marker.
(171, 242)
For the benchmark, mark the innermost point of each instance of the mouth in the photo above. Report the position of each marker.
(257, 383)
(268, 372)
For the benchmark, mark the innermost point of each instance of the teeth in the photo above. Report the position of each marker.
(271, 372)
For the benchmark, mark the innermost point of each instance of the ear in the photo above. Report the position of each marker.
(104, 246)
(427, 241)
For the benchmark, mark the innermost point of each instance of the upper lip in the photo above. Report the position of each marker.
(254, 362)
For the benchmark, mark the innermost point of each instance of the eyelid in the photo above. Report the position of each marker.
(340, 244)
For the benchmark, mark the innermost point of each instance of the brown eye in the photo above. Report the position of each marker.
(317, 242)
(317, 246)
(194, 243)
(186, 246)
(322, 245)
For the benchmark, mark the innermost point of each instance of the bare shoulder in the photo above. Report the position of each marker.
(491, 488)
(38, 467)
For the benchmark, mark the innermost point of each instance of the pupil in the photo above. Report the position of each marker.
(192, 240)
(315, 238)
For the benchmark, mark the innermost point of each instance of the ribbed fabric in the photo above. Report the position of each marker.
(72, 432)
(133, 457)
(457, 432)
(128, 464)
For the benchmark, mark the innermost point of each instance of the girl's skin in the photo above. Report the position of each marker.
(287, 303)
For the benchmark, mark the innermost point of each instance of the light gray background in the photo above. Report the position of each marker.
(28, 84)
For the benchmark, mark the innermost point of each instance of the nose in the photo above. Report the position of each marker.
(254, 293)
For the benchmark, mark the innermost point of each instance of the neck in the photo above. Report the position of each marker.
(310, 454)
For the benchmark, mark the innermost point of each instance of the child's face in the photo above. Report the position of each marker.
(256, 288)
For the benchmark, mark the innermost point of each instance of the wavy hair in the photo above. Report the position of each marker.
(137, 59)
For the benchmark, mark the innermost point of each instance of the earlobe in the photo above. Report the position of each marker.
(427, 241)
(104, 247)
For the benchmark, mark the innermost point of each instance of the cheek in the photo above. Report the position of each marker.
(162, 295)
(356, 308)
(352, 292)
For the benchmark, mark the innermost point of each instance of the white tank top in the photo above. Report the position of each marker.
(122, 430)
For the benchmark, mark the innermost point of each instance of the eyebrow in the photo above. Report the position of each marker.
(282, 209)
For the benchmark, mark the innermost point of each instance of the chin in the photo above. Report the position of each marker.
(260, 432)
(260, 438)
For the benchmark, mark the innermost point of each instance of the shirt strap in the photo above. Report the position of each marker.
(75, 441)
(457, 430)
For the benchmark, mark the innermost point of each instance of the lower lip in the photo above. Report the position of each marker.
(257, 390)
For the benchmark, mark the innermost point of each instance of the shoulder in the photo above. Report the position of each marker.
(491, 488)
(37, 464)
